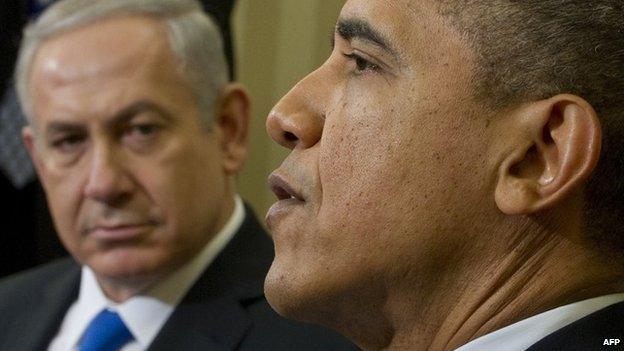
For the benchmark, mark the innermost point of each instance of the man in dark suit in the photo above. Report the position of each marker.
(456, 178)
(137, 136)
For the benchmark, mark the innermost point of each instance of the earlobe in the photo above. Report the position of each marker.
(552, 159)
(233, 122)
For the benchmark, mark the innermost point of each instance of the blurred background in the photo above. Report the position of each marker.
(271, 44)
(276, 43)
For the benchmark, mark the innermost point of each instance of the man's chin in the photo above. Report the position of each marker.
(294, 296)
(126, 266)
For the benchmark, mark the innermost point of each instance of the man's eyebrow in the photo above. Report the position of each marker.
(355, 28)
(122, 116)
(63, 127)
(137, 107)
(126, 114)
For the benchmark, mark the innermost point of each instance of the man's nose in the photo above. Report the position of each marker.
(108, 180)
(298, 118)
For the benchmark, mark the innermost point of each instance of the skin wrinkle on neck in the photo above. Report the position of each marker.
(523, 280)
(518, 269)
(410, 336)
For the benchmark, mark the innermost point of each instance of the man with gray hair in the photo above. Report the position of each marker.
(136, 136)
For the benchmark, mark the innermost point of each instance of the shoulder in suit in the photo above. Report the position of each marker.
(33, 304)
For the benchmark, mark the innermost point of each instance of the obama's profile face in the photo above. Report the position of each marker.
(387, 165)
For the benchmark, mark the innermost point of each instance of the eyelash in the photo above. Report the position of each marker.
(64, 143)
(362, 64)
(145, 129)
(72, 142)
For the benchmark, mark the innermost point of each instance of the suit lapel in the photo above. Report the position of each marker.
(212, 315)
(216, 325)
(43, 320)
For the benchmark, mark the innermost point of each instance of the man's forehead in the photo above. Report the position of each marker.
(108, 45)
(402, 22)
(97, 69)
(371, 7)
(386, 15)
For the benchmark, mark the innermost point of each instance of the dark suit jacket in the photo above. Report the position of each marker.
(224, 310)
(588, 333)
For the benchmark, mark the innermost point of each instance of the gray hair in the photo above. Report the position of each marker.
(194, 39)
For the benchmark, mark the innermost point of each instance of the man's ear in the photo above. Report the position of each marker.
(28, 138)
(232, 120)
(555, 148)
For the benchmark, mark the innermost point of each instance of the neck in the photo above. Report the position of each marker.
(555, 275)
(538, 273)
(120, 291)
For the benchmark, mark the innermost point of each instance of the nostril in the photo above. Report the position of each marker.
(290, 137)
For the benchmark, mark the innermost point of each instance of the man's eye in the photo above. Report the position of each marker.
(144, 130)
(141, 135)
(362, 64)
(68, 144)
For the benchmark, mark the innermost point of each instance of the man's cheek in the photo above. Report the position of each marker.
(348, 220)
(64, 198)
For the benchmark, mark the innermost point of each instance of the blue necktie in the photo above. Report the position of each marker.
(107, 332)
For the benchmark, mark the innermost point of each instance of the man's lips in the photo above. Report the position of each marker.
(288, 199)
(119, 231)
(283, 189)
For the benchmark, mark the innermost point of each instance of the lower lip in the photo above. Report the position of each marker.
(119, 233)
(280, 209)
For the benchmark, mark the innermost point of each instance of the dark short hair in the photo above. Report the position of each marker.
(534, 49)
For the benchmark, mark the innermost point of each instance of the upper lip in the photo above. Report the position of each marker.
(117, 226)
(282, 188)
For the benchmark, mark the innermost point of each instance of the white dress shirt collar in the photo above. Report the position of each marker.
(521, 335)
(145, 314)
